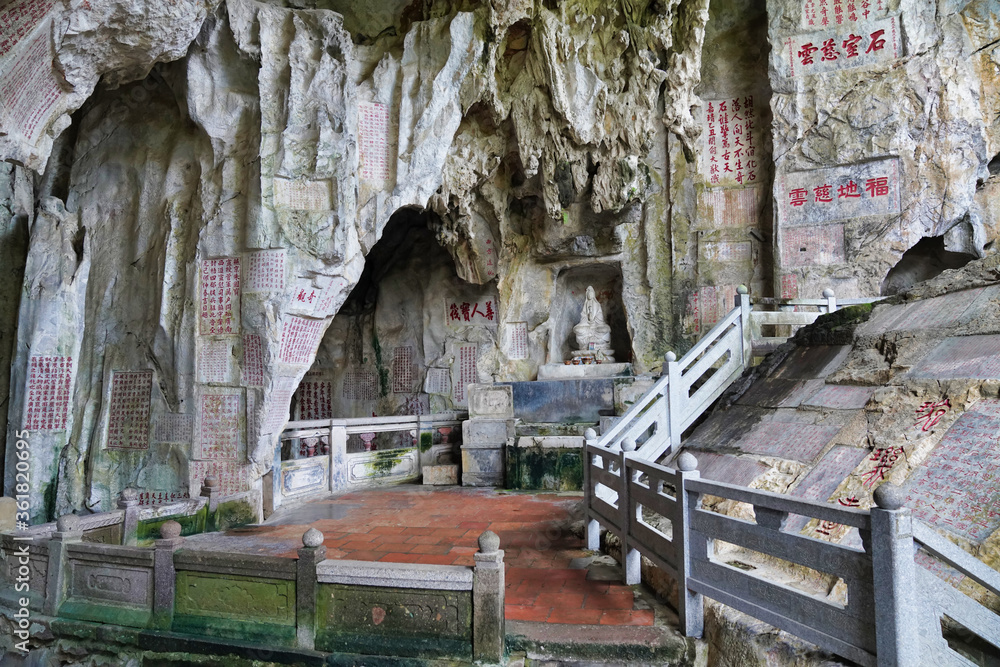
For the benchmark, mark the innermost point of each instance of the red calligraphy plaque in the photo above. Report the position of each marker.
(955, 488)
(265, 271)
(278, 405)
(303, 195)
(18, 18)
(842, 46)
(517, 345)
(373, 141)
(253, 361)
(731, 153)
(220, 296)
(29, 90)
(299, 339)
(128, 412)
(708, 305)
(466, 313)
(219, 426)
(48, 393)
(465, 371)
(729, 207)
(213, 361)
(157, 497)
(315, 400)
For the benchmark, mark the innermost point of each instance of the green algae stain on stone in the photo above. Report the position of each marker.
(426, 441)
(537, 468)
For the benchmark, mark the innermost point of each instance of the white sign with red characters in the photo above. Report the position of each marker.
(848, 45)
(826, 13)
(463, 313)
(838, 193)
(733, 141)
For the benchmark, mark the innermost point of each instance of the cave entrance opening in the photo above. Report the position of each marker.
(927, 259)
(391, 349)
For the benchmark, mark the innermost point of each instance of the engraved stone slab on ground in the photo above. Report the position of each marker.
(729, 469)
(840, 397)
(961, 357)
(956, 488)
(820, 482)
(942, 311)
(813, 362)
(801, 442)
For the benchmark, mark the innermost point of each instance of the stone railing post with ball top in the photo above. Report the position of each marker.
(631, 558)
(128, 501)
(312, 553)
(488, 630)
(897, 633)
(211, 489)
(67, 530)
(690, 605)
(164, 584)
(593, 525)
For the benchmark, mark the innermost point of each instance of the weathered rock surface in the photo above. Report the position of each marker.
(224, 173)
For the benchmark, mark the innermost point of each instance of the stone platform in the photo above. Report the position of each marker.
(550, 576)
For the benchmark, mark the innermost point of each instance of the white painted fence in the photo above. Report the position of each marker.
(341, 469)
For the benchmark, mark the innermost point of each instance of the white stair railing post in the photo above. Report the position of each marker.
(675, 400)
(831, 300)
(743, 303)
(631, 558)
(897, 627)
(593, 525)
(690, 605)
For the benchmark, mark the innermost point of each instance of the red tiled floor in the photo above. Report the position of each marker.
(411, 524)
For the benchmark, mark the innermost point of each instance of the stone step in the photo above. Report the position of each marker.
(441, 475)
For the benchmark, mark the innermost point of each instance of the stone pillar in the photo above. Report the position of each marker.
(897, 627)
(486, 433)
(690, 605)
(164, 575)
(67, 531)
(631, 558)
(488, 628)
(212, 490)
(128, 501)
(312, 553)
(593, 525)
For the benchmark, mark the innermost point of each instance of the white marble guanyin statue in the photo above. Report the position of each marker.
(593, 335)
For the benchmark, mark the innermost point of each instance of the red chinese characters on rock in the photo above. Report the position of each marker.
(823, 194)
(884, 459)
(479, 312)
(253, 361)
(491, 259)
(361, 385)
(299, 339)
(315, 400)
(930, 413)
(220, 290)
(265, 271)
(731, 154)
(218, 437)
(789, 286)
(48, 393)
(29, 90)
(830, 50)
(128, 413)
(373, 141)
(466, 371)
(518, 348)
(827, 527)
(18, 18)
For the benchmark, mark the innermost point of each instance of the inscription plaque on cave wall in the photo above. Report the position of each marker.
(826, 13)
(732, 141)
(303, 195)
(872, 42)
(220, 296)
(128, 413)
(219, 425)
(838, 193)
(464, 371)
(956, 489)
(812, 245)
(373, 141)
(299, 339)
(265, 271)
(48, 393)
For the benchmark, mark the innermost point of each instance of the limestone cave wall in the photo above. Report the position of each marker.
(195, 194)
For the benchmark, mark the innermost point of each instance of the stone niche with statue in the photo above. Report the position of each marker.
(584, 346)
